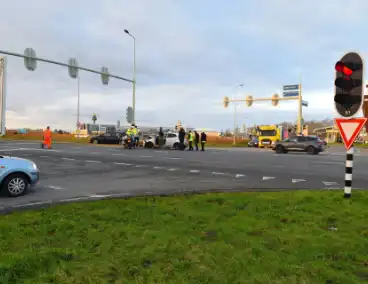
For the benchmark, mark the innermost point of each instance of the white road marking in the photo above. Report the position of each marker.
(27, 154)
(297, 180)
(44, 156)
(194, 171)
(100, 196)
(9, 150)
(172, 169)
(239, 176)
(148, 192)
(113, 149)
(146, 156)
(74, 199)
(33, 203)
(76, 147)
(54, 187)
(90, 161)
(158, 168)
(122, 164)
(139, 166)
(267, 178)
(173, 158)
(218, 174)
(118, 154)
(68, 159)
(95, 153)
(329, 183)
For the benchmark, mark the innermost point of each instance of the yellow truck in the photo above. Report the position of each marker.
(269, 134)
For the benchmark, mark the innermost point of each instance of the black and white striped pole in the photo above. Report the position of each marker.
(349, 172)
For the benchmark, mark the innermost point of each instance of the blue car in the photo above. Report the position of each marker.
(16, 175)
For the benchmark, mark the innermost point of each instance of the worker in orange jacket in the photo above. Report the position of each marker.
(47, 138)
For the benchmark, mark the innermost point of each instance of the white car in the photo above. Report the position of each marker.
(171, 141)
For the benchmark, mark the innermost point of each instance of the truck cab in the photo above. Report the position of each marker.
(268, 135)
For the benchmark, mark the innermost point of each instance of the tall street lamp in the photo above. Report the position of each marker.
(134, 73)
(78, 109)
(235, 126)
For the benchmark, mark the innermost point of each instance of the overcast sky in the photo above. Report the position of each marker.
(190, 54)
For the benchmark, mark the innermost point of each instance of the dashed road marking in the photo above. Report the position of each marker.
(194, 171)
(328, 183)
(95, 153)
(171, 169)
(146, 156)
(297, 180)
(217, 174)
(158, 168)
(140, 166)
(267, 178)
(239, 176)
(121, 154)
(173, 158)
(44, 156)
(122, 164)
(113, 149)
(68, 159)
(54, 187)
(90, 161)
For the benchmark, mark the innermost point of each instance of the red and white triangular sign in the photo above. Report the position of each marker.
(349, 129)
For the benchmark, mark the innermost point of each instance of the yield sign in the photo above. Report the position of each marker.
(349, 129)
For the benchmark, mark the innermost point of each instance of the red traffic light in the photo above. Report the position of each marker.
(340, 67)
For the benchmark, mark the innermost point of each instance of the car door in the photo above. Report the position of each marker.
(290, 144)
(171, 138)
(108, 138)
(301, 144)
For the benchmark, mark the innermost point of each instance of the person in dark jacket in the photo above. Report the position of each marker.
(203, 140)
(196, 139)
(181, 135)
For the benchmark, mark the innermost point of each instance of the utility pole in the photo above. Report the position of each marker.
(134, 74)
(78, 108)
(235, 128)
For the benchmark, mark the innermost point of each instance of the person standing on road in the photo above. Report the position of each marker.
(136, 135)
(47, 137)
(190, 140)
(181, 138)
(203, 140)
(196, 139)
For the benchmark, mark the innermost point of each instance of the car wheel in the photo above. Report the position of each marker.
(95, 141)
(311, 150)
(280, 149)
(15, 185)
(148, 145)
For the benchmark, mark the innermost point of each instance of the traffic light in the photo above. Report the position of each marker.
(349, 84)
(129, 114)
(226, 102)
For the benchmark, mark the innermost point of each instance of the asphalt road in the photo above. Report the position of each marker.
(75, 172)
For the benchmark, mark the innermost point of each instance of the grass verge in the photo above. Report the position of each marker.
(284, 237)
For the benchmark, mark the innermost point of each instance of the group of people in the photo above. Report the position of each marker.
(194, 138)
(134, 133)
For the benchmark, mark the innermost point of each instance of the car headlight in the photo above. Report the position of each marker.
(34, 166)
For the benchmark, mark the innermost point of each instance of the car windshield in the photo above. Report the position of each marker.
(268, 133)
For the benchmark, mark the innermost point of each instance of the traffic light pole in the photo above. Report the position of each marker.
(300, 110)
(65, 65)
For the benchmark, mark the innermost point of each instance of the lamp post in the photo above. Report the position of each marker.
(235, 128)
(78, 108)
(134, 74)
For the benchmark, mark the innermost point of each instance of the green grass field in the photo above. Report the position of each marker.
(305, 237)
